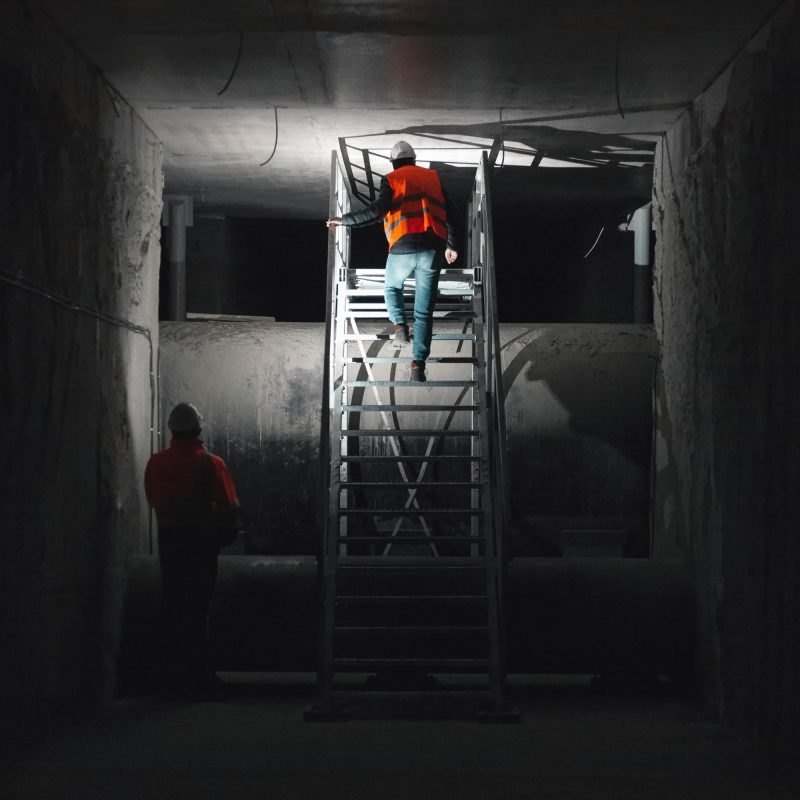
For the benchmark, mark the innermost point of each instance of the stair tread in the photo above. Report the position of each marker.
(377, 291)
(409, 432)
(409, 407)
(404, 598)
(382, 270)
(404, 359)
(381, 317)
(411, 562)
(407, 384)
(374, 337)
(411, 484)
(406, 540)
(412, 662)
(413, 512)
(427, 694)
(439, 629)
(392, 458)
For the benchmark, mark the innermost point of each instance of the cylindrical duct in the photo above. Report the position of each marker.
(641, 225)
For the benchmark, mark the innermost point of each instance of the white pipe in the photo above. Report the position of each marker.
(641, 224)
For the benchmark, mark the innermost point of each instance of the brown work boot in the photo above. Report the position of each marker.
(418, 371)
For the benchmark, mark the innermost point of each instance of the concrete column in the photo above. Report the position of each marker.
(177, 215)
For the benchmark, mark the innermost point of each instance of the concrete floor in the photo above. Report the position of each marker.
(573, 743)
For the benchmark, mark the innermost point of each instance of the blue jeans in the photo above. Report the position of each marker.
(424, 267)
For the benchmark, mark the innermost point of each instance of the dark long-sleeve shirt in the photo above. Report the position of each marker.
(411, 242)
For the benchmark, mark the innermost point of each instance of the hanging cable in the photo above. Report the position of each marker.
(235, 65)
(595, 242)
(275, 146)
(616, 77)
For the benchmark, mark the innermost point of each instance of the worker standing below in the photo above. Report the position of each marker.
(419, 222)
(197, 511)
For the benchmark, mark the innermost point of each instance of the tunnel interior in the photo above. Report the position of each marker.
(652, 450)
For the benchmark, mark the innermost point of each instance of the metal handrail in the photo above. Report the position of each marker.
(338, 256)
(480, 255)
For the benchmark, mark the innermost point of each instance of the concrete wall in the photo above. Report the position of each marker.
(727, 284)
(579, 420)
(80, 191)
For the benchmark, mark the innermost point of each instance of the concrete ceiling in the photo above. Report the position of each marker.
(438, 71)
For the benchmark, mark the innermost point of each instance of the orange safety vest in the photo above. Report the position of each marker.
(417, 204)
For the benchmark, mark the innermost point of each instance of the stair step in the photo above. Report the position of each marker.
(409, 540)
(376, 337)
(409, 432)
(456, 599)
(443, 563)
(378, 291)
(408, 384)
(377, 316)
(410, 485)
(405, 512)
(405, 359)
(438, 306)
(387, 458)
(380, 271)
(430, 664)
(442, 630)
(409, 407)
(426, 696)
(405, 540)
(422, 609)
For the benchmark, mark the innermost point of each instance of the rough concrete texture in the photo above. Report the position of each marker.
(579, 421)
(259, 388)
(727, 284)
(81, 197)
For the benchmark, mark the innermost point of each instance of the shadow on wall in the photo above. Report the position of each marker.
(579, 408)
(521, 147)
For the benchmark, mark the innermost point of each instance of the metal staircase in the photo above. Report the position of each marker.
(413, 556)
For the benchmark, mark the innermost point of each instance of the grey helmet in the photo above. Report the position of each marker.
(184, 418)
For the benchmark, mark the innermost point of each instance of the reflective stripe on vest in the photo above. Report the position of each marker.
(417, 204)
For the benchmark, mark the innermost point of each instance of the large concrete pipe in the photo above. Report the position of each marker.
(614, 617)
(578, 406)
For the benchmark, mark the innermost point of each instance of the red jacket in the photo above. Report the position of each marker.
(189, 487)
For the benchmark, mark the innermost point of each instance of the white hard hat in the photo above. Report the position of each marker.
(402, 149)
(184, 418)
